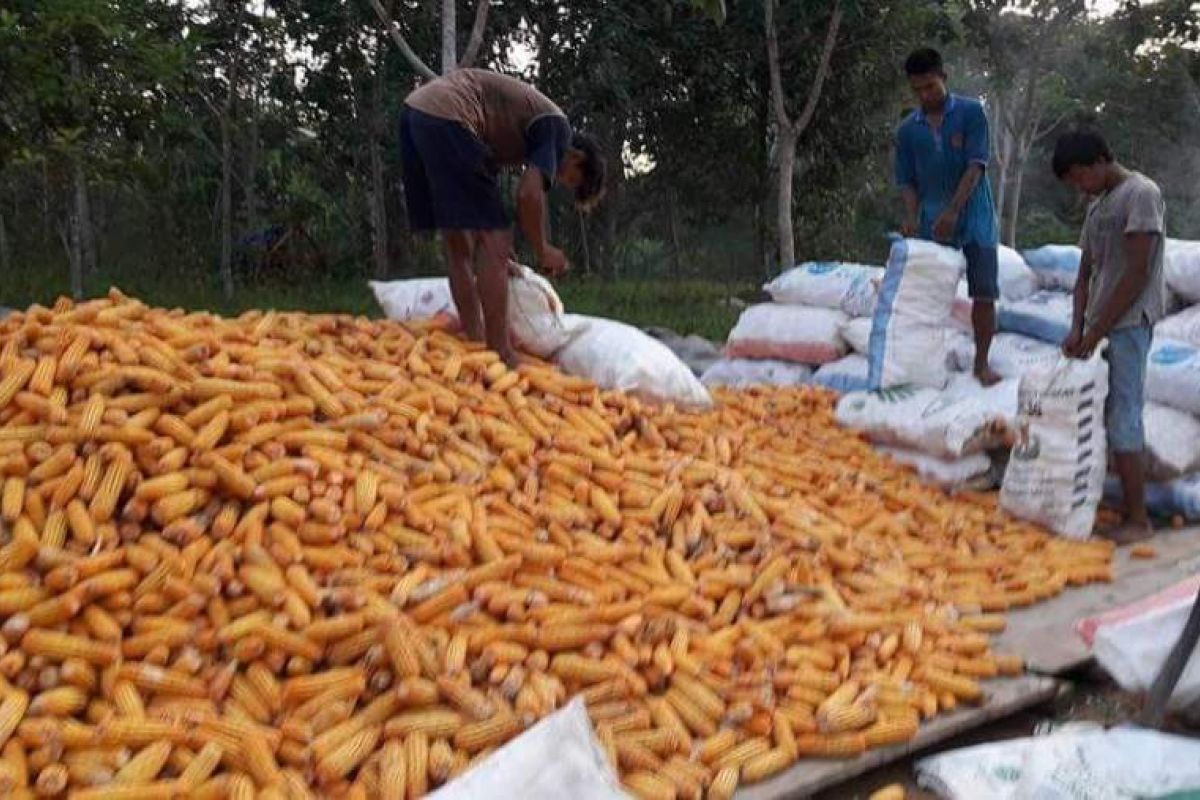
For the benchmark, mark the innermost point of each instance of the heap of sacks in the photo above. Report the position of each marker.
(297, 556)
(818, 330)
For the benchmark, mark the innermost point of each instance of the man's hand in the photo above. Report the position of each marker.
(909, 228)
(1081, 345)
(1071, 344)
(553, 261)
(1089, 344)
(945, 225)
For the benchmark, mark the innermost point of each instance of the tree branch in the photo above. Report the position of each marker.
(401, 43)
(477, 30)
(781, 117)
(814, 93)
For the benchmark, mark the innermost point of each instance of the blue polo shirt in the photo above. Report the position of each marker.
(933, 162)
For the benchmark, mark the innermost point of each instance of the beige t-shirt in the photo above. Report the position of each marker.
(1133, 206)
(496, 108)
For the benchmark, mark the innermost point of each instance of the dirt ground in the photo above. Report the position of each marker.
(1088, 696)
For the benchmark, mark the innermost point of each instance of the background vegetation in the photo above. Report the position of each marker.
(229, 154)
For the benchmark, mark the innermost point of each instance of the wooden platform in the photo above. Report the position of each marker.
(807, 777)
(1043, 634)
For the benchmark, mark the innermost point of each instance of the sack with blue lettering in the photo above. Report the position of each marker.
(1181, 268)
(1055, 475)
(1164, 499)
(1056, 265)
(848, 374)
(908, 330)
(850, 288)
(1173, 375)
(1044, 315)
(1183, 327)
(1017, 281)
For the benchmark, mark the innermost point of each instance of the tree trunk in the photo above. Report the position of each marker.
(676, 242)
(449, 36)
(787, 132)
(786, 155)
(251, 180)
(81, 218)
(227, 144)
(75, 239)
(5, 260)
(227, 206)
(378, 194)
(1000, 148)
(583, 241)
(1014, 203)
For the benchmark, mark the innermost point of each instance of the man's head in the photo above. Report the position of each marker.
(1082, 160)
(584, 170)
(927, 77)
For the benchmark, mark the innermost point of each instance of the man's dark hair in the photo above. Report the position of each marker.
(923, 62)
(1079, 148)
(595, 171)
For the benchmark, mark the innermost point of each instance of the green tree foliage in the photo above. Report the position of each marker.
(180, 149)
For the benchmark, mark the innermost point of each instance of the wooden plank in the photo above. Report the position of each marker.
(1044, 634)
(810, 776)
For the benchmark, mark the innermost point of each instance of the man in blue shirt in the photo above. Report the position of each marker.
(941, 156)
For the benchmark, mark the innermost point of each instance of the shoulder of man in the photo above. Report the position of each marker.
(909, 120)
(1144, 185)
(970, 105)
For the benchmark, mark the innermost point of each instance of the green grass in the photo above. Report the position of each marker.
(685, 306)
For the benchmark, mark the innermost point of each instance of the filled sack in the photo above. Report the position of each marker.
(851, 288)
(907, 345)
(1044, 315)
(1164, 499)
(1011, 354)
(1017, 281)
(1181, 268)
(1055, 475)
(614, 355)
(800, 334)
(739, 372)
(1172, 442)
(964, 418)
(857, 333)
(536, 317)
(1133, 642)
(1056, 265)
(969, 472)
(847, 374)
(1173, 375)
(1183, 327)
(416, 298)
(960, 309)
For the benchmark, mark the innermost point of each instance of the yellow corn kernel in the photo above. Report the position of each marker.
(416, 760)
(13, 500)
(647, 785)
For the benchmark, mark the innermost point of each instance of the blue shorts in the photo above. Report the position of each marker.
(450, 180)
(1127, 351)
(983, 268)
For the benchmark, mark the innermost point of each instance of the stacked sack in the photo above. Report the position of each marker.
(1032, 330)
(915, 410)
(1173, 392)
(815, 330)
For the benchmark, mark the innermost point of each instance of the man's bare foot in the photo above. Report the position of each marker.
(510, 358)
(473, 330)
(1130, 531)
(987, 376)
